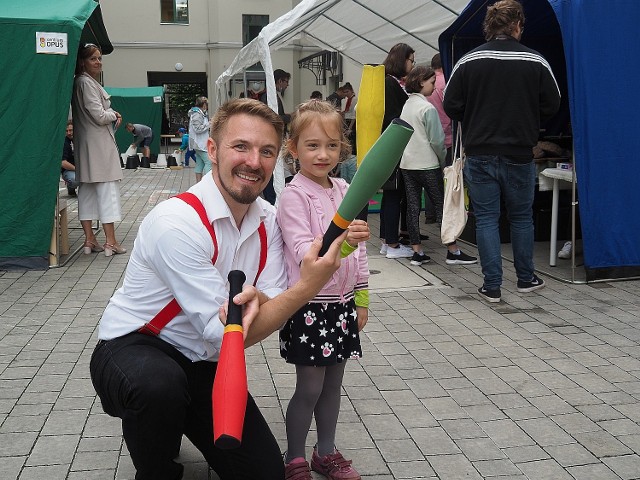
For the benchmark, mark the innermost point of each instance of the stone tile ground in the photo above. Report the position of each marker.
(540, 386)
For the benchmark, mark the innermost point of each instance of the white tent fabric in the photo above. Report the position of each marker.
(360, 30)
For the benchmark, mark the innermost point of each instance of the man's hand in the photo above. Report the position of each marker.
(358, 232)
(316, 271)
(250, 298)
(363, 317)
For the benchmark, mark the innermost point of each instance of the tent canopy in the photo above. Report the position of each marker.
(360, 30)
(138, 105)
(36, 92)
(589, 44)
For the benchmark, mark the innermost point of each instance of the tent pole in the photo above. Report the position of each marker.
(573, 217)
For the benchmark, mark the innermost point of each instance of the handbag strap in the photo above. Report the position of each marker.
(458, 152)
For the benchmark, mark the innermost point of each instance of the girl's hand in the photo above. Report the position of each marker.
(363, 317)
(358, 232)
(250, 299)
(118, 119)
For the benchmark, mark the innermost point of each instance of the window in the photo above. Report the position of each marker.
(174, 11)
(251, 27)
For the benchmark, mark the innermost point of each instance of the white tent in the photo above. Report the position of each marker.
(360, 30)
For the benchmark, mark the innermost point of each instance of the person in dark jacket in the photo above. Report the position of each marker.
(399, 62)
(68, 164)
(500, 92)
(282, 79)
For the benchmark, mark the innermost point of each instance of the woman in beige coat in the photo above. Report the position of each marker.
(96, 152)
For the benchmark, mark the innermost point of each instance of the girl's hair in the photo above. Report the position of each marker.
(416, 76)
(396, 62)
(310, 111)
(85, 52)
(502, 18)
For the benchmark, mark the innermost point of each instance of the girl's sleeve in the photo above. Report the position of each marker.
(435, 133)
(294, 219)
(362, 279)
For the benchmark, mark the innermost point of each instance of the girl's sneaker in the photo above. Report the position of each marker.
(297, 469)
(333, 466)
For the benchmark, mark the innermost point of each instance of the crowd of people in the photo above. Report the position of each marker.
(160, 335)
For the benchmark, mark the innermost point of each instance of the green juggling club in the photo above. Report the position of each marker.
(375, 169)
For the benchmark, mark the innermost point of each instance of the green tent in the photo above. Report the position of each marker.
(138, 105)
(40, 41)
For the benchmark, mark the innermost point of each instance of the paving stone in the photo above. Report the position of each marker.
(545, 432)
(433, 441)
(443, 408)
(414, 469)
(544, 470)
(453, 467)
(481, 448)
(592, 472)
(44, 471)
(495, 468)
(527, 453)
(506, 433)
(575, 423)
(627, 466)
(602, 444)
(571, 455)
(386, 427)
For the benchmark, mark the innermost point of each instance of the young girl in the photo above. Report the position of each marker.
(320, 337)
(421, 160)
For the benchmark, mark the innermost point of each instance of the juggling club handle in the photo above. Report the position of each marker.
(236, 281)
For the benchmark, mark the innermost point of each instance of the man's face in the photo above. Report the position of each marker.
(282, 84)
(244, 157)
(69, 132)
(130, 128)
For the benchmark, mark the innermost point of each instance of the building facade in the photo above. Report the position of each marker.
(184, 45)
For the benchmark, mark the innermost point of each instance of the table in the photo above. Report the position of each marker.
(557, 175)
(166, 142)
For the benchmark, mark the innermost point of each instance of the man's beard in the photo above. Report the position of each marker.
(245, 194)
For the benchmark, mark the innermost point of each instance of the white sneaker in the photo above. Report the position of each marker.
(401, 251)
(565, 251)
(383, 249)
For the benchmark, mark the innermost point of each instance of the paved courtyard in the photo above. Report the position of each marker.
(541, 386)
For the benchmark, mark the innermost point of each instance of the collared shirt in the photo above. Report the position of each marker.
(171, 257)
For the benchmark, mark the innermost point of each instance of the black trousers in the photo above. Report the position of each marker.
(160, 395)
(433, 183)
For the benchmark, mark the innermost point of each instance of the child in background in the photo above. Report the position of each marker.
(320, 337)
(184, 147)
(422, 161)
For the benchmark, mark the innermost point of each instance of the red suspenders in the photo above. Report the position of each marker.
(172, 308)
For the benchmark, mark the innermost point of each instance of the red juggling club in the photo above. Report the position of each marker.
(230, 385)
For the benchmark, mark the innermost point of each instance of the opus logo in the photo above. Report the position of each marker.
(51, 43)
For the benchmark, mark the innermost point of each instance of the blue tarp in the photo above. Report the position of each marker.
(592, 47)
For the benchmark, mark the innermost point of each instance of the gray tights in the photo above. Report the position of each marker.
(317, 393)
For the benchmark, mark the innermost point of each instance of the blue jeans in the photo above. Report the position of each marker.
(189, 154)
(69, 177)
(489, 177)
